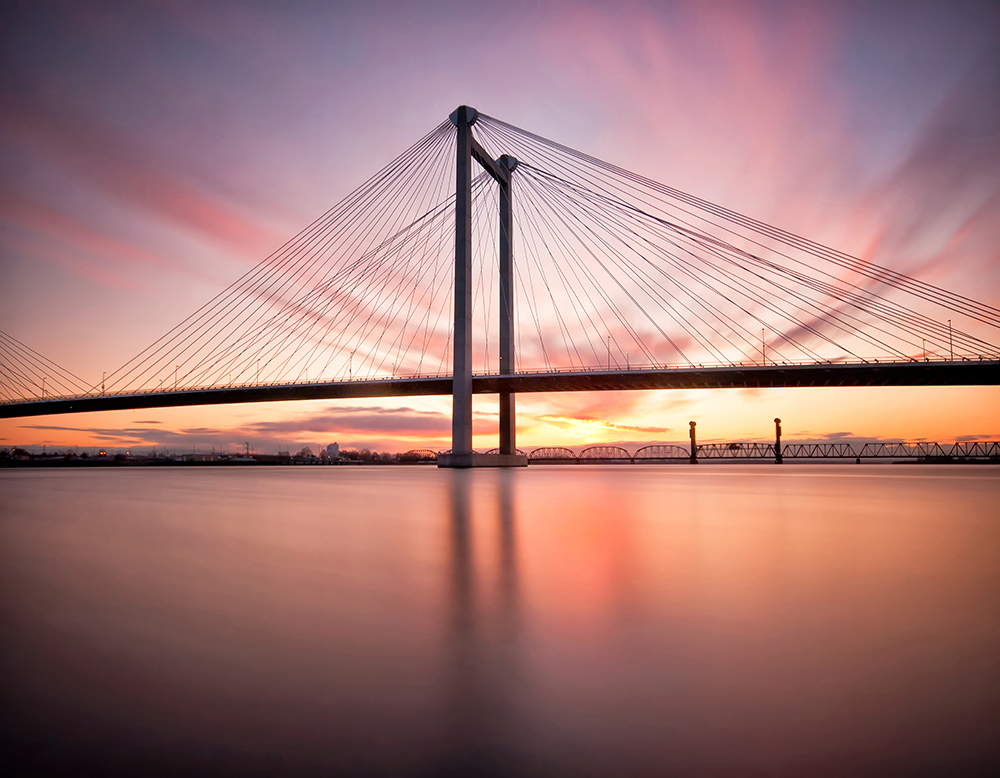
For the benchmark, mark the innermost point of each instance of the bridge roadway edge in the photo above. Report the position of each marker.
(985, 373)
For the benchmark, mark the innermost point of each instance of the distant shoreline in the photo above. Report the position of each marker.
(276, 462)
(144, 462)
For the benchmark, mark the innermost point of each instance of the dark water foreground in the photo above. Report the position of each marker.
(738, 620)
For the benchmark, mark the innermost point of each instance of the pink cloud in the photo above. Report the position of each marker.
(59, 237)
(941, 205)
(100, 156)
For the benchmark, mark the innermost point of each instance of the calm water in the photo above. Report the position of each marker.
(629, 620)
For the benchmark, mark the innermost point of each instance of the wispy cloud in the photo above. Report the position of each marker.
(44, 232)
(106, 160)
(389, 428)
(361, 420)
(946, 191)
(834, 436)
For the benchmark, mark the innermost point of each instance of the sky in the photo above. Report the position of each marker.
(152, 152)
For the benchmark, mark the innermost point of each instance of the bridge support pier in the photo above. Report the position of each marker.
(461, 388)
(694, 444)
(777, 442)
(475, 459)
(508, 439)
(462, 454)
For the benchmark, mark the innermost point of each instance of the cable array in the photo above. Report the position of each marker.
(620, 271)
(612, 270)
(363, 291)
(27, 375)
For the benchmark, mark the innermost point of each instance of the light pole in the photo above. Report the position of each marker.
(176, 368)
(258, 371)
(609, 352)
(763, 349)
(925, 348)
(951, 348)
(350, 367)
(44, 379)
(104, 375)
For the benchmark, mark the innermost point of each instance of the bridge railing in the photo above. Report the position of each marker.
(221, 387)
(553, 454)
(661, 451)
(669, 452)
(976, 449)
(818, 451)
(418, 455)
(900, 450)
(653, 367)
(739, 450)
(605, 454)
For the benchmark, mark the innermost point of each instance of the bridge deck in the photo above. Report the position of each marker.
(964, 373)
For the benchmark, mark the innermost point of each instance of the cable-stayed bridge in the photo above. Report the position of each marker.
(486, 259)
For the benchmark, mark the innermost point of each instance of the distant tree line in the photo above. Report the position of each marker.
(364, 455)
(305, 455)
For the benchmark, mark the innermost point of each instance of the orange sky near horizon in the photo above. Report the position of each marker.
(939, 414)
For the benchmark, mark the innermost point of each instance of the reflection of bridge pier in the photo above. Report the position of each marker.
(482, 678)
(507, 572)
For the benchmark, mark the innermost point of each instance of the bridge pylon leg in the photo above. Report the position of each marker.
(508, 440)
(462, 454)
(461, 409)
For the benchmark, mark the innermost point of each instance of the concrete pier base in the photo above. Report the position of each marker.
(482, 460)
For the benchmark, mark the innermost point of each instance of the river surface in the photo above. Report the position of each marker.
(561, 620)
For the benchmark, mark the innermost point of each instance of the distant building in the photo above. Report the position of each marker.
(333, 451)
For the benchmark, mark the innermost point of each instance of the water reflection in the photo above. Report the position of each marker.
(576, 621)
(482, 678)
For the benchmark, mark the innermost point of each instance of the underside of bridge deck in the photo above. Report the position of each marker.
(770, 376)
